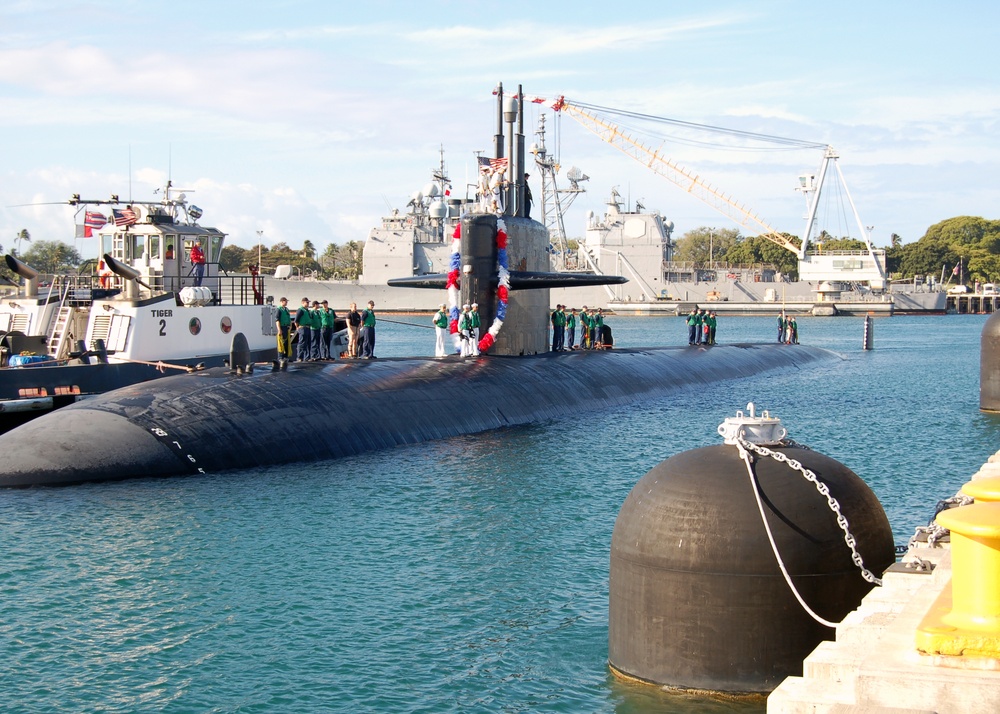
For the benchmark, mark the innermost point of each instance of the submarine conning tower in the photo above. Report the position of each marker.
(502, 262)
(525, 328)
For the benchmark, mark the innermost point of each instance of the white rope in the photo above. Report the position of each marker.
(745, 447)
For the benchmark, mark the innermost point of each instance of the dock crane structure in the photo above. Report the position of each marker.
(851, 266)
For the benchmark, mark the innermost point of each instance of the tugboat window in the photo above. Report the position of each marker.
(216, 249)
(226, 325)
(194, 326)
(138, 246)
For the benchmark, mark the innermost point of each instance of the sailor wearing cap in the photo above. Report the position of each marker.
(474, 315)
(315, 349)
(465, 329)
(440, 321)
(558, 319)
(328, 320)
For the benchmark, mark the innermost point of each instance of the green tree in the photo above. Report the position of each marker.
(328, 260)
(22, 235)
(984, 266)
(52, 257)
(235, 259)
(843, 244)
(970, 239)
(350, 261)
(757, 250)
(925, 258)
(962, 231)
(6, 274)
(700, 245)
(308, 250)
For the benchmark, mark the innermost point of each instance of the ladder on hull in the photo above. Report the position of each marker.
(58, 337)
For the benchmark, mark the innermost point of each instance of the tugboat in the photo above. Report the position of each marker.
(148, 312)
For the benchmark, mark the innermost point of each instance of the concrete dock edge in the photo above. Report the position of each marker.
(873, 666)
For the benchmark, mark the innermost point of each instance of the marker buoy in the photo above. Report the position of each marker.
(730, 563)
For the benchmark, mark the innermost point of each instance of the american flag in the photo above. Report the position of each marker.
(93, 219)
(124, 217)
(487, 163)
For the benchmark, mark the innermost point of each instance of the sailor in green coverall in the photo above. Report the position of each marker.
(465, 329)
(283, 321)
(571, 329)
(328, 321)
(476, 323)
(692, 325)
(440, 321)
(368, 332)
(597, 322)
(558, 328)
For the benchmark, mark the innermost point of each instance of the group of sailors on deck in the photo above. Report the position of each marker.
(564, 329)
(701, 326)
(312, 328)
(469, 324)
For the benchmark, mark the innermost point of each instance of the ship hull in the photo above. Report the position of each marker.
(215, 421)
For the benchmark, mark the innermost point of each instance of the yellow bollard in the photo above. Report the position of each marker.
(965, 619)
(984, 490)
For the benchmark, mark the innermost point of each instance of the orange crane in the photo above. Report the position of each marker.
(687, 180)
(811, 265)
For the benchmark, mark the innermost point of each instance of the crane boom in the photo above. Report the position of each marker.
(686, 180)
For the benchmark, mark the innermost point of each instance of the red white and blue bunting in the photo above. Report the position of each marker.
(503, 289)
(451, 286)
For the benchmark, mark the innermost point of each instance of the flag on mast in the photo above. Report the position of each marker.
(124, 217)
(91, 220)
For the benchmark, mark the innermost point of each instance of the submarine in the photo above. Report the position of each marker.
(239, 417)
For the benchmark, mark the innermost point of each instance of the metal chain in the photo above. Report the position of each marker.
(809, 475)
(932, 531)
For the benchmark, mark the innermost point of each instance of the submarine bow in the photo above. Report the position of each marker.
(214, 420)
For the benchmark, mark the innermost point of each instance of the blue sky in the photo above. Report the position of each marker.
(308, 120)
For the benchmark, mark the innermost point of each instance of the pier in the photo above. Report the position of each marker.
(873, 665)
(972, 304)
(760, 309)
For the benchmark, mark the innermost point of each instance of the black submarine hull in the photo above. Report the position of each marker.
(215, 420)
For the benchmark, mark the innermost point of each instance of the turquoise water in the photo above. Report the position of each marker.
(466, 575)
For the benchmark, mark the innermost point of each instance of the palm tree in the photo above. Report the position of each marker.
(308, 250)
(23, 235)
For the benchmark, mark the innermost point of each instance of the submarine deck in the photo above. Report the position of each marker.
(215, 420)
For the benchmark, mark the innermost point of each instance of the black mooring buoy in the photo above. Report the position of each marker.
(989, 365)
(697, 598)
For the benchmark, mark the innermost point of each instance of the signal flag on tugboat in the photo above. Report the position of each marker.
(91, 220)
(124, 217)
